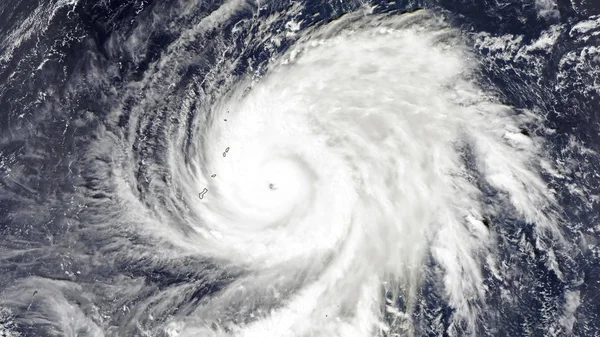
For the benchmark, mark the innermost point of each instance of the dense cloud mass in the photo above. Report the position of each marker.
(238, 168)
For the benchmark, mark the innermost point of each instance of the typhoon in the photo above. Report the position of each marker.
(239, 168)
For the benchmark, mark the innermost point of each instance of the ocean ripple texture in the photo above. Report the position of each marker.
(299, 168)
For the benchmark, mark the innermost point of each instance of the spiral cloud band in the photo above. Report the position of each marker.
(362, 152)
(288, 170)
